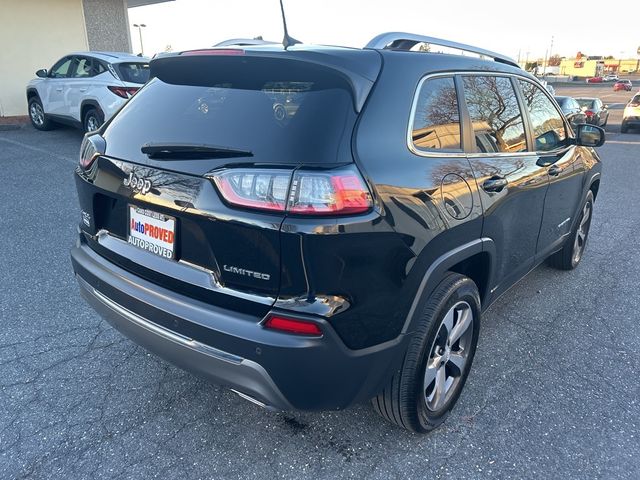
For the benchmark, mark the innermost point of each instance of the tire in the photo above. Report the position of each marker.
(92, 120)
(573, 250)
(410, 400)
(606, 120)
(624, 128)
(39, 119)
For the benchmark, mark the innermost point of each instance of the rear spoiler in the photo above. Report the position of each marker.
(356, 70)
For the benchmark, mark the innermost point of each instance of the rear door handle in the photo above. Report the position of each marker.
(59, 89)
(83, 89)
(554, 170)
(494, 184)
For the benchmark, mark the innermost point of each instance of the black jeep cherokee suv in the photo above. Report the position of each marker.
(317, 226)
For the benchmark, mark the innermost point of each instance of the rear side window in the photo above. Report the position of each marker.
(548, 127)
(83, 68)
(133, 72)
(436, 120)
(495, 115)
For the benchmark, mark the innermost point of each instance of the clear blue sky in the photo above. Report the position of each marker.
(509, 27)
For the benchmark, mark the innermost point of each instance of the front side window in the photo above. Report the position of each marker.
(495, 115)
(436, 121)
(61, 69)
(548, 127)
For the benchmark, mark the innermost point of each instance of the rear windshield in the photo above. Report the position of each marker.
(300, 119)
(585, 103)
(133, 72)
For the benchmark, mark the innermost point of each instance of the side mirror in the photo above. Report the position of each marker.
(42, 73)
(590, 135)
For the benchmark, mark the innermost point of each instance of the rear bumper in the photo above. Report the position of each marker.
(217, 365)
(276, 370)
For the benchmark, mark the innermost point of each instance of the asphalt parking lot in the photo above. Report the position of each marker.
(553, 393)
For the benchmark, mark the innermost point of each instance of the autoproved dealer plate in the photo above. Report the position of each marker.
(152, 231)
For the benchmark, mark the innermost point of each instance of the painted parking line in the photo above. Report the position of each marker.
(622, 142)
(36, 149)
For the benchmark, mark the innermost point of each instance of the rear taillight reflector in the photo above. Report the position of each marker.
(306, 192)
(124, 92)
(290, 325)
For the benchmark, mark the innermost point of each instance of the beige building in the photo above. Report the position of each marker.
(581, 67)
(36, 33)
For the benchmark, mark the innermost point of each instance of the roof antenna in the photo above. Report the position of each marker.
(287, 41)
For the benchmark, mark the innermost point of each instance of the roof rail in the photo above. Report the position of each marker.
(404, 41)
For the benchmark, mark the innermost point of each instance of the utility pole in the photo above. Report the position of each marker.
(544, 70)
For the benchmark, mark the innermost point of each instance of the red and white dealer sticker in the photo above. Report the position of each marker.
(152, 231)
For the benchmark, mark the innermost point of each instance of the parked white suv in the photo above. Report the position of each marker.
(84, 89)
(631, 114)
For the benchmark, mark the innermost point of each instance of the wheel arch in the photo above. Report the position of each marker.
(86, 105)
(474, 259)
(594, 186)
(32, 92)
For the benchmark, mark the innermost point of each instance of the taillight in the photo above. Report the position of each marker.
(307, 192)
(291, 325)
(589, 113)
(328, 193)
(92, 147)
(254, 188)
(124, 92)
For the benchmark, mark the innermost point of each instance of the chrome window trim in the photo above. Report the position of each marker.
(452, 74)
(412, 114)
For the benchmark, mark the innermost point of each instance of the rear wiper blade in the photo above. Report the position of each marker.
(187, 151)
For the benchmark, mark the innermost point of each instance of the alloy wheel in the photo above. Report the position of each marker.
(582, 232)
(448, 356)
(92, 123)
(37, 114)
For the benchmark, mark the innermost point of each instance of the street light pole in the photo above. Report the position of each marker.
(140, 27)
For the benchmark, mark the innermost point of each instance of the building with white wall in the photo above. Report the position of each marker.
(36, 33)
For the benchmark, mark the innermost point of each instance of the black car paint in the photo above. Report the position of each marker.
(363, 278)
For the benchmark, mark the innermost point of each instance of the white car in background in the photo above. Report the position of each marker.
(84, 89)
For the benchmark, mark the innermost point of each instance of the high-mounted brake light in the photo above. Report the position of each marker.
(214, 51)
(124, 92)
(290, 325)
(306, 192)
(92, 147)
